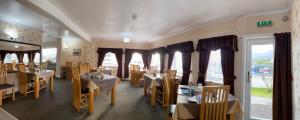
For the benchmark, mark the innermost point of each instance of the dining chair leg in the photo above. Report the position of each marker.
(91, 101)
(113, 95)
(13, 94)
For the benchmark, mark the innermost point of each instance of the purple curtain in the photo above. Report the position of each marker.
(2, 56)
(186, 67)
(203, 64)
(128, 57)
(170, 60)
(282, 78)
(162, 62)
(119, 59)
(101, 56)
(149, 60)
(227, 61)
(146, 60)
(20, 57)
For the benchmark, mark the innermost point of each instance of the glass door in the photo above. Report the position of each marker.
(259, 81)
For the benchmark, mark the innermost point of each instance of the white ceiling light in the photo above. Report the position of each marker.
(17, 46)
(126, 39)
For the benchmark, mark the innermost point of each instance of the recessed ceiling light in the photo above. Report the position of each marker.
(126, 39)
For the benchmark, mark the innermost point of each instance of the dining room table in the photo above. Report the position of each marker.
(152, 82)
(47, 75)
(106, 83)
(187, 107)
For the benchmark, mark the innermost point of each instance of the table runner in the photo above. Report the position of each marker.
(106, 83)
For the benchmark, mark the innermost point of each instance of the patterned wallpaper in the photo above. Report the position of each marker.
(24, 34)
(295, 24)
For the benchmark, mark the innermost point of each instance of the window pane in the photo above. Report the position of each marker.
(137, 60)
(25, 59)
(49, 54)
(10, 57)
(155, 61)
(214, 69)
(110, 60)
(177, 63)
(37, 58)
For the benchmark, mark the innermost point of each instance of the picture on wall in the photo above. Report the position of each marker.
(76, 52)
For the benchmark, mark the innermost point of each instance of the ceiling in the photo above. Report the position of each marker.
(22, 15)
(111, 19)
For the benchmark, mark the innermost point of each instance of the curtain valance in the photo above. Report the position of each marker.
(229, 41)
(182, 47)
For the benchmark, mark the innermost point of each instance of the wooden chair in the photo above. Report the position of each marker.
(114, 72)
(79, 94)
(10, 66)
(44, 65)
(84, 68)
(4, 86)
(136, 67)
(31, 65)
(68, 70)
(26, 84)
(214, 102)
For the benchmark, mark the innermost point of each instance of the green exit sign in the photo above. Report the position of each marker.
(264, 23)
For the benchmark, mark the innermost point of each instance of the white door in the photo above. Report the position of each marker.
(259, 79)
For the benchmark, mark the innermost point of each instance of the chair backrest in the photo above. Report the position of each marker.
(10, 66)
(44, 66)
(114, 72)
(3, 73)
(68, 64)
(76, 87)
(22, 77)
(172, 74)
(167, 90)
(214, 102)
(136, 67)
(84, 68)
(31, 65)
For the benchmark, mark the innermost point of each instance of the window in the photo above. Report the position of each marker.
(36, 59)
(155, 61)
(110, 60)
(25, 59)
(11, 57)
(214, 69)
(49, 54)
(177, 63)
(137, 60)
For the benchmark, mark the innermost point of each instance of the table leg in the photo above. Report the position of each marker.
(13, 94)
(91, 101)
(36, 87)
(51, 84)
(113, 94)
(232, 116)
(153, 95)
(0, 97)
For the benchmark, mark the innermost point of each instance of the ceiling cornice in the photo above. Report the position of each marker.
(48, 7)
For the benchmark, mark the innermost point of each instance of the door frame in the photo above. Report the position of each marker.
(249, 41)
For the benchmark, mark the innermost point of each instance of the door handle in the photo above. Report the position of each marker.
(249, 77)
